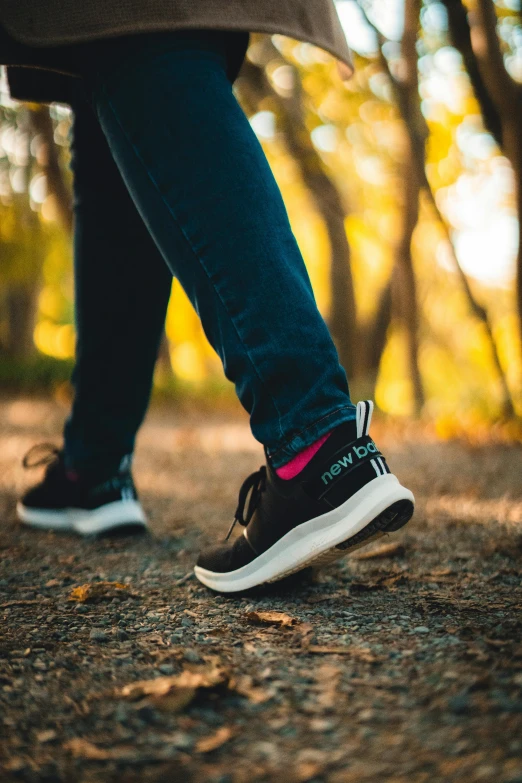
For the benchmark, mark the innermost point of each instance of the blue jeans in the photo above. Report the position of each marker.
(168, 169)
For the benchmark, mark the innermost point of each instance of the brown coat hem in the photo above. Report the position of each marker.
(327, 45)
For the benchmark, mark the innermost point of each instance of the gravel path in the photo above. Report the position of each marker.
(403, 667)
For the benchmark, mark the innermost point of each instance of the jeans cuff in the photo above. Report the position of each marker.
(298, 441)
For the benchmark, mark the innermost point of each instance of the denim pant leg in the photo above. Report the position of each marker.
(203, 186)
(119, 320)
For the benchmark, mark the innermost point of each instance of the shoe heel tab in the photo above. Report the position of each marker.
(364, 417)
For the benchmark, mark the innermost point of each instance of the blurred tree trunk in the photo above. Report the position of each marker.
(48, 159)
(417, 134)
(417, 141)
(20, 298)
(20, 302)
(460, 37)
(404, 285)
(372, 340)
(497, 93)
(506, 95)
(21, 295)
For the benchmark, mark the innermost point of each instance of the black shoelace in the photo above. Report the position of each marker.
(41, 454)
(256, 484)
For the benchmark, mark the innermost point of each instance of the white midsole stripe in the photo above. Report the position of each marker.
(81, 520)
(312, 538)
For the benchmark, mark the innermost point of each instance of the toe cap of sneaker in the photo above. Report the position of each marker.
(227, 557)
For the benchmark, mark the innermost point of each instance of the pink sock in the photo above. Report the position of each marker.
(302, 459)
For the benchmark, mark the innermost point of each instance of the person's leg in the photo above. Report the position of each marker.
(122, 288)
(204, 188)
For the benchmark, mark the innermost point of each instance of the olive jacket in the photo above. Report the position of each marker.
(34, 33)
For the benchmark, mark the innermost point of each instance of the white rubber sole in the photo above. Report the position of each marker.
(111, 516)
(307, 544)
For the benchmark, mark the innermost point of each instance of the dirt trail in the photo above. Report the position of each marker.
(405, 667)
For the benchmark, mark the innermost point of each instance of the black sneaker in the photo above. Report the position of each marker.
(343, 499)
(64, 501)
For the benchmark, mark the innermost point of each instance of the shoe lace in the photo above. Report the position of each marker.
(41, 454)
(256, 485)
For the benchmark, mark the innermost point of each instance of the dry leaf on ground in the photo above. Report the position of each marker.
(177, 691)
(272, 618)
(95, 590)
(46, 736)
(214, 741)
(306, 771)
(15, 764)
(245, 687)
(83, 749)
(363, 654)
(385, 550)
(381, 582)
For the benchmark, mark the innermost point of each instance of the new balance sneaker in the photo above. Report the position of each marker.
(65, 501)
(344, 498)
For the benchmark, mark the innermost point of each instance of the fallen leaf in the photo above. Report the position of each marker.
(305, 632)
(14, 764)
(67, 559)
(53, 583)
(272, 618)
(361, 653)
(380, 582)
(327, 677)
(177, 691)
(306, 771)
(327, 673)
(83, 749)
(245, 687)
(385, 550)
(95, 590)
(46, 736)
(184, 579)
(79, 709)
(496, 642)
(319, 599)
(441, 572)
(214, 741)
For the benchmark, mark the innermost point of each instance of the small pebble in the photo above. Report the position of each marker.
(98, 636)
(459, 705)
(191, 656)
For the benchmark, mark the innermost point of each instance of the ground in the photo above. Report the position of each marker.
(404, 667)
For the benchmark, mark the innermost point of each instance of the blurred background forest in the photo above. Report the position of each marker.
(404, 190)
